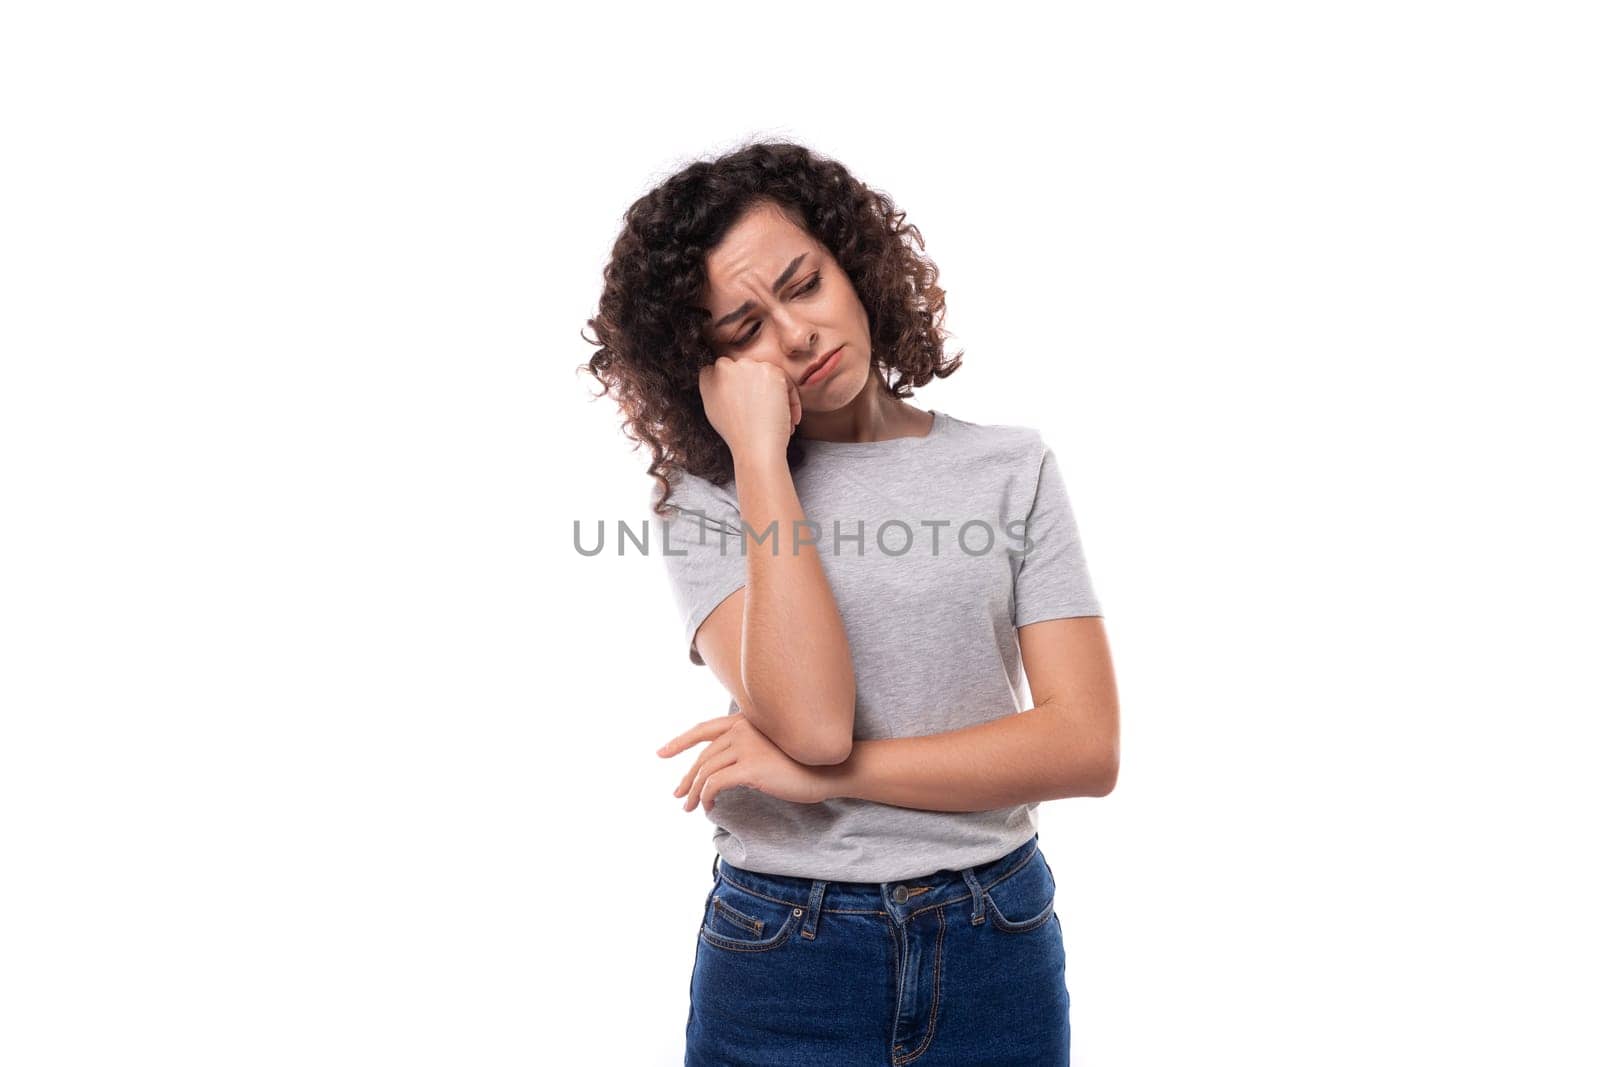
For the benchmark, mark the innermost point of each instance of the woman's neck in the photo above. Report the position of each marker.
(874, 415)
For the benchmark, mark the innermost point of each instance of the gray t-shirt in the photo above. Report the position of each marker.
(937, 548)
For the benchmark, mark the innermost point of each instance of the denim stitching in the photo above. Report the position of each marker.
(1026, 925)
(755, 926)
(853, 911)
(758, 893)
(900, 978)
(968, 894)
(933, 1016)
(775, 941)
(1021, 863)
(894, 965)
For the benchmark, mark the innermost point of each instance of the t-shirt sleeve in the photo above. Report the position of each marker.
(1052, 576)
(702, 549)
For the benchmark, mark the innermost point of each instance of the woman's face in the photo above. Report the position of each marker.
(777, 295)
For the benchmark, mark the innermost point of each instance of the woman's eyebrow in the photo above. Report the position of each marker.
(788, 272)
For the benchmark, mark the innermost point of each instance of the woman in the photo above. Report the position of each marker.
(865, 578)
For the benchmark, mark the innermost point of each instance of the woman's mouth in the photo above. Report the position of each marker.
(825, 369)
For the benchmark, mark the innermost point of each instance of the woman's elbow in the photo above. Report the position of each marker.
(817, 745)
(810, 743)
(1107, 778)
(824, 752)
(833, 742)
(804, 735)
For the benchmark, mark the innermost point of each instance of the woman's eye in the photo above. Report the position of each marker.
(814, 284)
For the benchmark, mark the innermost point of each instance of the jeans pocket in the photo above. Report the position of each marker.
(741, 921)
(1024, 900)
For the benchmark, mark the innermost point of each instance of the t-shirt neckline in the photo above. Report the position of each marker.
(892, 444)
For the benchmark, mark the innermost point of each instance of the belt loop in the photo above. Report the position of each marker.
(809, 930)
(971, 875)
(715, 857)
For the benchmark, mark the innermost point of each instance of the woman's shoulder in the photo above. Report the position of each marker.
(995, 440)
(692, 493)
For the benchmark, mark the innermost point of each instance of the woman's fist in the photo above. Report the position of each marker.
(754, 405)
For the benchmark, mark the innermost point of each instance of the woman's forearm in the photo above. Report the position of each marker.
(1044, 753)
(795, 657)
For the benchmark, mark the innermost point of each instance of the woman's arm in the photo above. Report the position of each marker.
(1067, 745)
(779, 642)
(787, 660)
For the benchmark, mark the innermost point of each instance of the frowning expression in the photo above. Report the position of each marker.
(776, 294)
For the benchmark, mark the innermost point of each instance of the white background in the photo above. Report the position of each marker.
(321, 743)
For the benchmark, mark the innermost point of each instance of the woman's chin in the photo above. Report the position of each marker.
(841, 387)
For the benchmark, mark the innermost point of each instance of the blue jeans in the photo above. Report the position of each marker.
(955, 967)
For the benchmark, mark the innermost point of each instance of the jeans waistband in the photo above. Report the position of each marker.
(901, 899)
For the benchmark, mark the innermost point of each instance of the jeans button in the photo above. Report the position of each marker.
(900, 894)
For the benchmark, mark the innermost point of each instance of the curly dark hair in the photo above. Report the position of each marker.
(651, 334)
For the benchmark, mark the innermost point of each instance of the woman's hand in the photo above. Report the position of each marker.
(739, 754)
(753, 404)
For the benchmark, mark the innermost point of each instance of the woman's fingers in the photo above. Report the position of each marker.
(708, 763)
(795, 408)
(714, 756)
(704, 731)
(705, 753)
(710, 767)
(716, 783)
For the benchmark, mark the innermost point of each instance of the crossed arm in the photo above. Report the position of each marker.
(799, 693)
(1067, 745)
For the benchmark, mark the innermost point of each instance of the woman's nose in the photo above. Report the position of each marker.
(796, 332)
(799, 340)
